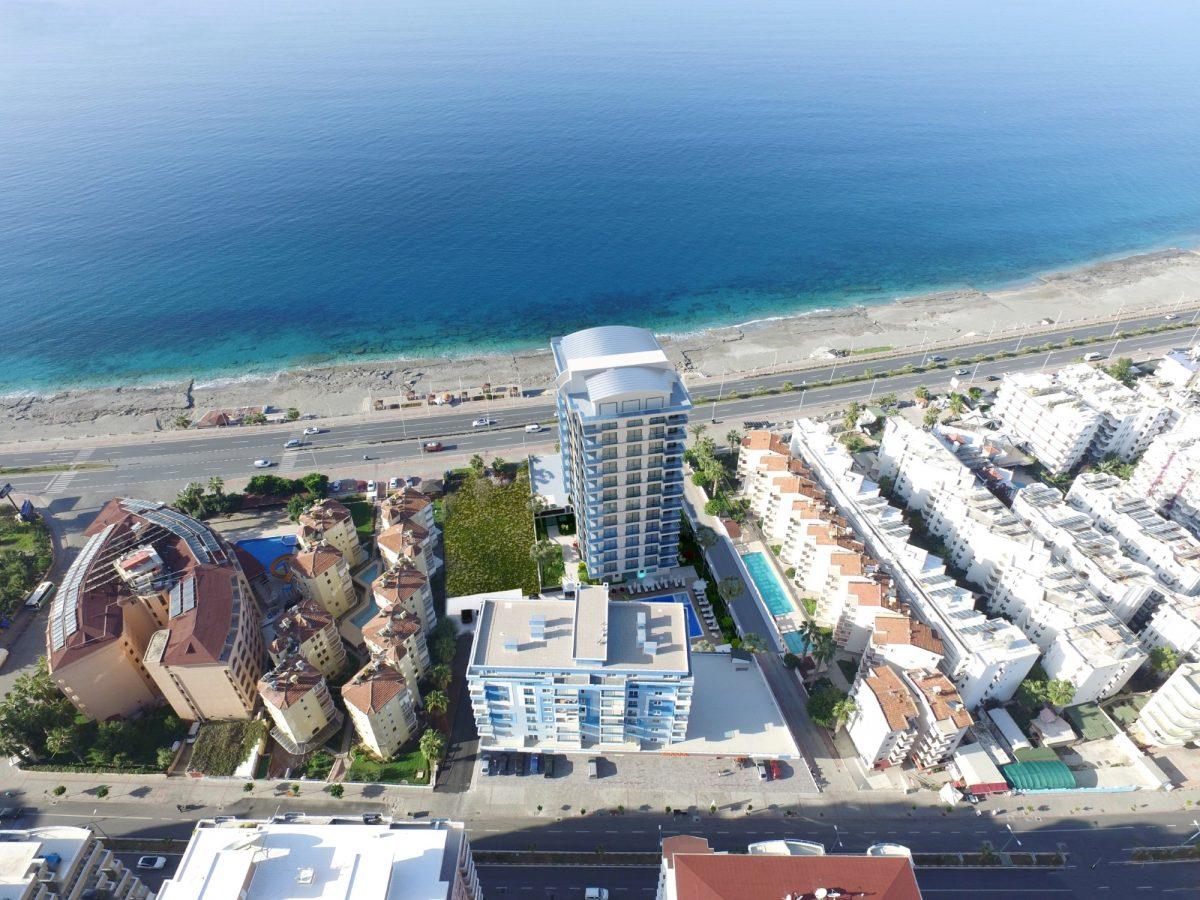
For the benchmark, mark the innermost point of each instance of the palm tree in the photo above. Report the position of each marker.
(697, 429)
(216, 486)
(842, 711)
(437, 702)
(705, 537)
(824, 650)
(752, 643)
(956, 404)
(931, 417)
(544, 552)
(498, 465)
(61, 741)
(730, 588)
(433, 745)
(921, 393)
(191, 498)
(812, 632)
(477, 464)
(734, 437)
(441, 676)
(850, 416)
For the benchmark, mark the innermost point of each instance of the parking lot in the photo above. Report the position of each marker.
(634, 780)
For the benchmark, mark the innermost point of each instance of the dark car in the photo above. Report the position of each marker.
(11, 812)
(516, 765)
(992, 378)
(535, 764)
(547, 766)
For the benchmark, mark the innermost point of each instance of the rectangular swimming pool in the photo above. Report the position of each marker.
(366, 614)
(795, 642)
(774, 594)
(693, 623)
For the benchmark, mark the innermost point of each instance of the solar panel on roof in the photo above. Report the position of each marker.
(64, 618)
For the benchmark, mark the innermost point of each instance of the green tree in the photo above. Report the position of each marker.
(191, 498)
(337, 790)
(1164, 660)
(823, 650)
(888, 402)
(499, 464)
(477, 464)
(706, 537)
(297, 505)
(730, 588)
(931, 417)
(851, 414)
(842, 711)
(433, 745)
(1059, 693)
(1122, 370)
(697, 429)
(791, 660)
(921, 392)
(181, 421)
(63, 741)
(704, 645)
(975, 393)
(734, 438)
(216, 487)
(316, 484)
(256, 418)
(957, 404)
(441, 676)
(163, 757)
(545, 552)
(825, 706)
(292, 414)
(437, 702)
(32, 708)
(753, 643)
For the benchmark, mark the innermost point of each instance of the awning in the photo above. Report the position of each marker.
(1039, 776)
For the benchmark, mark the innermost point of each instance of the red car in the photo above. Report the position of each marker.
(776, 769)
(433, 446)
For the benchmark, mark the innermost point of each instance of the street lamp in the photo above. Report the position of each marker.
(1195, 834)
(1117, 324)
(838, 835)
(1012, 837)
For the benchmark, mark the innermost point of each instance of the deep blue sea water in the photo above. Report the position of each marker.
(201, 188)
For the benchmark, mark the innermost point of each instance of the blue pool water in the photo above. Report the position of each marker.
(795, 642)
(364, 615)
(693, 623)
(272, 552)
(229, 187)
(769, 588)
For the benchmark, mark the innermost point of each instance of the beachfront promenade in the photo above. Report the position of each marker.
(159, 465)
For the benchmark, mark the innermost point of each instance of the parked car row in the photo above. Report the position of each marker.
(517, 764)
(768, 769)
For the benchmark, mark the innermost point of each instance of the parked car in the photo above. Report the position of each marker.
(263, 463)
(535, 764)
(548, 765)
(481, 423)
(532, 427)
(192, 732)
(595, 893)
(764, 774)
(395, 483)
(11, 812)
(433, 447)
(776, 769)
(372, 488)
(312, 429)
(485, 763)
(151, 862)
(294, 442)
(593, 768)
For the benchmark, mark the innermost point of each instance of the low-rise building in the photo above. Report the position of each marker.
(151, 578)
(329, 522)
(942, 720)
(308, 630)
(63, 862)
(406, 586)
(1171, 718)
(692, 870)
(298, 699)
(321, 574)
(396, 635)
(985, 658)
(1170, 551)
(382, 705)
(883, 726)
(351, 858)
(579, 672)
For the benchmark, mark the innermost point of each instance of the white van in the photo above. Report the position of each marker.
(40, 595)
(1091, 357)
(595, 893)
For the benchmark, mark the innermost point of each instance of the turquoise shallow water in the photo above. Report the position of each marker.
(200, 189)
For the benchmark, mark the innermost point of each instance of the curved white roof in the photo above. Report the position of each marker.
(608, 340)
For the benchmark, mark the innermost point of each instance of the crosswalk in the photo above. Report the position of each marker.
(60, 482)
(291, 459)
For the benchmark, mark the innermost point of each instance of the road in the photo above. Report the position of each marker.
(158, 466)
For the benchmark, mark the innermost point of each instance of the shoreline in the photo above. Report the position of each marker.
(1156, 280)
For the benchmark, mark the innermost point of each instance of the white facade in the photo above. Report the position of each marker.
(1075, 414)
(883, 726)
(578, 673)
(1164, 546)
(63, 862)
(1171, 718)
(985, 658)
(325, 858)
(622, 420)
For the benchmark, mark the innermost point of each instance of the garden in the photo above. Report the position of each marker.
(25, 555)
(488, 533)
(403, 768)
(222, 746)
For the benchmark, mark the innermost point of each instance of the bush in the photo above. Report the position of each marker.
(336, 790)
(60, 790)
(102, 791)
(273, 486)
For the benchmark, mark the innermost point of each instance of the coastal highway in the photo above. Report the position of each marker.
(157, 467)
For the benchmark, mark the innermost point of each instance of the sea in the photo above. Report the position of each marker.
(217, 188)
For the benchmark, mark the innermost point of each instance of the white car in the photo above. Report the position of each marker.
(371, 488)
(962, 372)
(394, 484)
(595, 893)
(151, 862)
(532, 427)
(262, 463)
(481, 423)
(312, 429)
(1170, 317)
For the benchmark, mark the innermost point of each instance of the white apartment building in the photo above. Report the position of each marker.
(622, 420)
(1165, 474)
(580, 672)
(349, 857)
(985, 658)
(1118, 509)
(1171, 718)
(1124, 585)
(1180, 367)
(1080, 639)
(63, 862)
(1173, 622)
(1077, 413)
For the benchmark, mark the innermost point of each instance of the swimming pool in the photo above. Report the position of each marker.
(273, 552)
(796, 642)
(366, 614)
(693, 623)
(772, 592)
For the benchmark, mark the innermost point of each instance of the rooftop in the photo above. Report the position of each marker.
(375, 685)
(893, 696)
(316, 560)
(290, 682)
(563, 634)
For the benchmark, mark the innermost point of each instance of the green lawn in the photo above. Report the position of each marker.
(488, 533)
(402, 769)
(362, 512)
(25, 553)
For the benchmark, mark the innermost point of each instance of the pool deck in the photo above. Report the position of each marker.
(687, 574)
